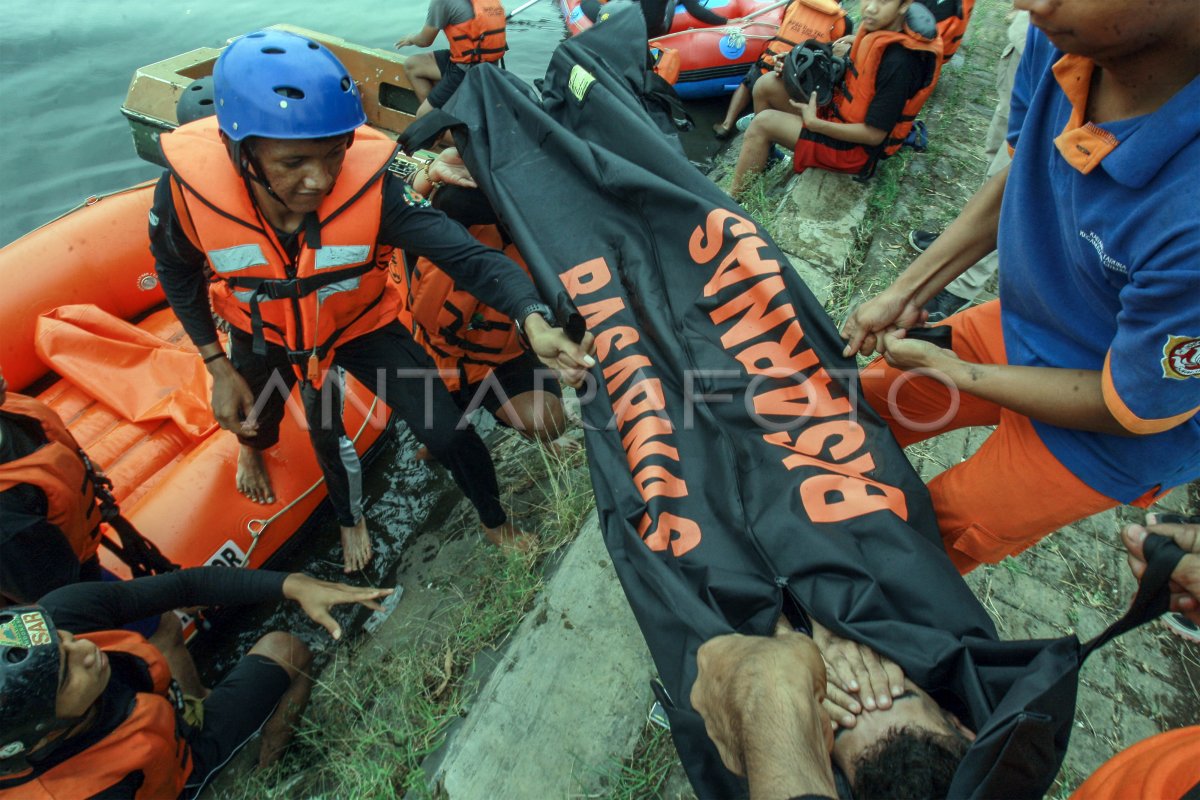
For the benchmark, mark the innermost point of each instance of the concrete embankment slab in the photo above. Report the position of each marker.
(570, 693)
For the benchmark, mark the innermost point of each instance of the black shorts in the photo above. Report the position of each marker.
(518, 376)
(452, 76)
(234, 711)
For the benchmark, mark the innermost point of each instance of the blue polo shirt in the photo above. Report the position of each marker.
(1099, 249)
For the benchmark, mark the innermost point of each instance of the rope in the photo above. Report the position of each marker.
(90, 201)
(730, 31)
(257, 527)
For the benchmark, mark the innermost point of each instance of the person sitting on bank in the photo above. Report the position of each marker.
(823, 20)
(895, 59)
(478, 351)
(271, 216)
(50, 522)
(91, 710)
(475, 31)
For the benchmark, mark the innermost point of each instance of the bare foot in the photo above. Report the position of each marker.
(356, 546)
(509, 535)
(565, 446)
(252, 478)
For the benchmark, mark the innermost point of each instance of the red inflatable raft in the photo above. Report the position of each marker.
(713, 59)
(81, 302)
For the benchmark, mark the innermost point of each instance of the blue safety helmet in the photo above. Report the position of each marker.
(279, 85)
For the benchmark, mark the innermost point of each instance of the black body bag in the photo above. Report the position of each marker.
(731, 460)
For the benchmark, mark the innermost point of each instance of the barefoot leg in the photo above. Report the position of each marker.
(356, 546)
(169, 641)
(252, 478)
(291, 654)
(509, 535)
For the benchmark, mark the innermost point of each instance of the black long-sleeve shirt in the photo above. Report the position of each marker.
(407, 222)
(102, 606)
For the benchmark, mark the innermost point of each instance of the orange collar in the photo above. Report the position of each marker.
(1083, 145)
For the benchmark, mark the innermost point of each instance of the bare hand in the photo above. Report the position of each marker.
(808, 111)
(554, 348)
(856, 669)
(842, 46)
(317, 597)
(1185, 579)
(739, 676)
(904, 353)
(887, 311)
(232, 401)
(407, 41)
(449, 167)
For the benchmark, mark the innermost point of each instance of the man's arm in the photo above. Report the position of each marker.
(97, 606)
(87, 607)
(422, 38)
(969, 238)
(180, 267)
(760, 698)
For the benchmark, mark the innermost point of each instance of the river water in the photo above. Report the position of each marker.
(65, 66)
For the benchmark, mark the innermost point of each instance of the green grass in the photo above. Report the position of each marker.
(375, 717)
(644, 775)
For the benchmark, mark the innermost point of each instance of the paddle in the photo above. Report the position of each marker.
(518, 10)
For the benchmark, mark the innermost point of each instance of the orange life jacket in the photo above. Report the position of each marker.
(59, 470)
(953, 29)
(336, 290)
(666, 63)
(1165, 766)
(823, 20)
(482, 37)
(149, 740)
(464, 337)
(851, 101)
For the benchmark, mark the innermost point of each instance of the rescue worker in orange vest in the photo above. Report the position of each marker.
(476, 348)
(895, 61)
(1165, 767)
(90, 710)
(823, 20)
(50, 521)
(283, 213)
(475, 31)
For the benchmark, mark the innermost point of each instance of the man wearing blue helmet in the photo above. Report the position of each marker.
(269, 218)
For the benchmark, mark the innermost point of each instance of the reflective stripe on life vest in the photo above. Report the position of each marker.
(337, 289)
(148, 741)
(823, 20)
(464, 337)
(482, 37)
(59, 471)
(850, 103)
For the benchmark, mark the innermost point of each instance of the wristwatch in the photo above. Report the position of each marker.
(542, 310)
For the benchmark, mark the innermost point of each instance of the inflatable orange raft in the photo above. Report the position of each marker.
(135, 396)
(713, 58)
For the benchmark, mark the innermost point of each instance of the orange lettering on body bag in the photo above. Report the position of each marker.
(705, 243)
(586, 278)
(678, 533)
(837, 498)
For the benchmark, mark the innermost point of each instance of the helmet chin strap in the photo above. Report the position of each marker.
(252, 170)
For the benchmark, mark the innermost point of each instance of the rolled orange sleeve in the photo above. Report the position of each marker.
(1125, 416)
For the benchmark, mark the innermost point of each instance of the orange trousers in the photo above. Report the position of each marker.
(1011, 492)
(1163, 767)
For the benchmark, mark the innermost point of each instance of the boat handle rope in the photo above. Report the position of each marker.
(91, 201)
(257, 527)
